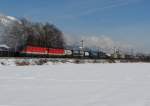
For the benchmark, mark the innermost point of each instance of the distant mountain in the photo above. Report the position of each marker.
(6, 23)
(6, 20)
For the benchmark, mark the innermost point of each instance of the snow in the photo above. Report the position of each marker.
(12, 18)
(4, 46)
(48, 61)
(75, 85)
(6, 20)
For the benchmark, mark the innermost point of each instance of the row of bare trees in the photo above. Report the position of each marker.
(19, 35)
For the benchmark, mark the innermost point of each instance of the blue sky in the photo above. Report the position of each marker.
(124, 20)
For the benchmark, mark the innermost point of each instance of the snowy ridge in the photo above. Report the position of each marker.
(5, 20)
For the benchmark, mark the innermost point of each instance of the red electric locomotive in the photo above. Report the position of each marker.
(42, 51)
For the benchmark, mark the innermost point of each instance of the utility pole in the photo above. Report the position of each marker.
(82, 42)
(82, 47)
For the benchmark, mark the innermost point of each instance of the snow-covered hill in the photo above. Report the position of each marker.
(75, 85)
(6, 20)
(6, 26)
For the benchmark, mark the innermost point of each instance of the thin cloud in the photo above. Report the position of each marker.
(103, 6)
(79, 8)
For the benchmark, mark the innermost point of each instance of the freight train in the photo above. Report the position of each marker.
(36, 51)
(43, 52)
(59, 52)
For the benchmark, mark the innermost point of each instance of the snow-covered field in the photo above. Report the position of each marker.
(75, 85)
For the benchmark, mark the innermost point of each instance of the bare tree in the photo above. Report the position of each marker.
(44, 35)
